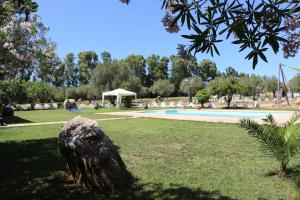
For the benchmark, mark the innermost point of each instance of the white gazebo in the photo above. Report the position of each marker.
(119, 93)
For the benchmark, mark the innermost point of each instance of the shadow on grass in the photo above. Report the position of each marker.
(34, 169)
(15, 120)
(293, 174)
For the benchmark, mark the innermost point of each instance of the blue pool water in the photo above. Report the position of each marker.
(234, 114)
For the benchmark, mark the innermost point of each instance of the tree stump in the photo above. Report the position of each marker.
(91, 156)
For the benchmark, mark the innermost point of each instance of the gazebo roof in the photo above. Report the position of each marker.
(119, 91)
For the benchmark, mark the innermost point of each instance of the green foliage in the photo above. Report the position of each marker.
(162, 88)
(106, 57)
(254, 26)
(87, 61)
(226, 86)
(137, 66)
(71, 73)
(126, 101)
(76, 93)
(179, 70)
(202, 96)
(132, 84)
(109, 76)
(24, 47)
(190, 86)
(157, 68)
(17, 7)
(206, 69)
(254, 85)
(12, 91)
(38, 92)
(58, 94)
(294, 84)
(270, 84)
(281, 142)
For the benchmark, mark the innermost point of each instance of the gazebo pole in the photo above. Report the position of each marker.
(118, 99)
(102, 100)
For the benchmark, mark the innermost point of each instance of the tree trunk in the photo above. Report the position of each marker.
(190, 99)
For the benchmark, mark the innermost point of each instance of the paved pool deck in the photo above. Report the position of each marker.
(282, 118)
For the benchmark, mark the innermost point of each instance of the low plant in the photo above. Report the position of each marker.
(279, 141)
(202, 97)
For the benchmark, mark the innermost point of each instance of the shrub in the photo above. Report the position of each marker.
(281, 142)
(162, 87)
(202, 96)
(126, 101)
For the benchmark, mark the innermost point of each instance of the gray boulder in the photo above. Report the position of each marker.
(91, 156)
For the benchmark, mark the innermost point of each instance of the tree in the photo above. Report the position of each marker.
(12, 91)
(106, 56)
(80, 92)
(294, 84)
(254, 26)
(254, 85)
(231, 72)
(110, 76)
(71, 73)
(179, 70)
(133, 84)
(207, 70)
(13, 7)
(87, 61)
(270, 84)
(190, 86)
(38, 92)
(281, 142)
(49, 64)
(23, 44)
(162, 88)
(157, 68)
(58, 79)
(137, 66)
(226, 86)
(202, 96)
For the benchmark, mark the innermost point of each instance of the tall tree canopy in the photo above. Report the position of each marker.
(157, 68)
(137, 65)
(179, 70)
(106, 56)
(206, 69)
(87, 61)
(71, 74)
(294, 84)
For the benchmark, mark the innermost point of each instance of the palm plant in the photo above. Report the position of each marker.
(279, 141)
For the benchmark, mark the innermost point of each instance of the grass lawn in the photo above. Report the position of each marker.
(55, 115)
(170, 160)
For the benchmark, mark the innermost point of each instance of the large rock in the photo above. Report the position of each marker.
(91, 156)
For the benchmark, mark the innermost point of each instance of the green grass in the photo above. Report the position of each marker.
(170, 160)
(55, 115)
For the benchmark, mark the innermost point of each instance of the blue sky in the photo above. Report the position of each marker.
(135, 29)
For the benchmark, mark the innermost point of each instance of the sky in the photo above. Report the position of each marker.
(108, 25)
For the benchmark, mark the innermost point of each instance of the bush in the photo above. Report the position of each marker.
(78, 92)
(202, 96)
(126, 101)
(162, 87)
(58, 94)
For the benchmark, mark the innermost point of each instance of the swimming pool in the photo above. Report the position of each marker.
(215, 113)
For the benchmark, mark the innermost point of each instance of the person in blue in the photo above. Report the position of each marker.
(74, 107)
